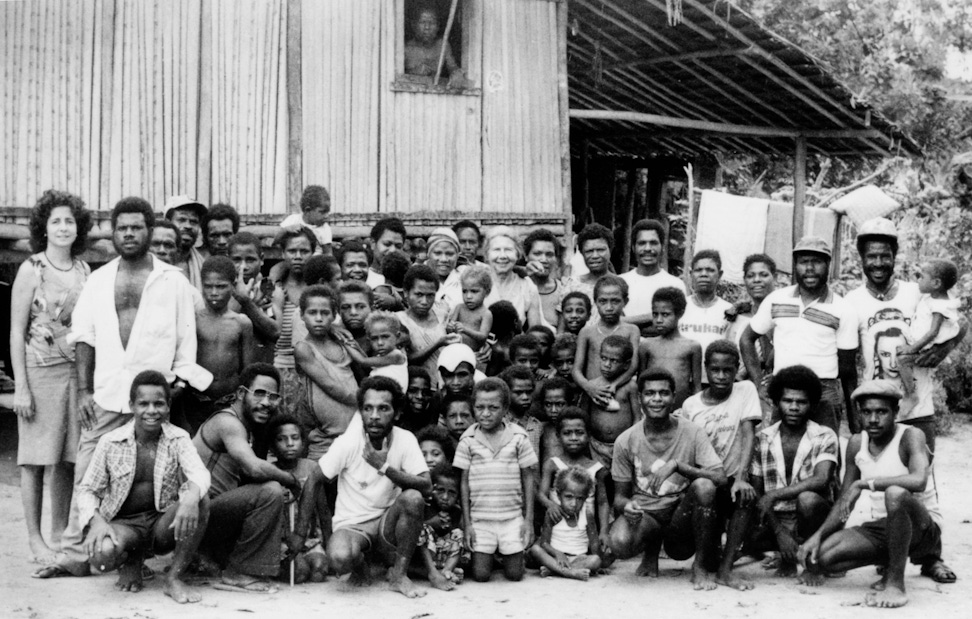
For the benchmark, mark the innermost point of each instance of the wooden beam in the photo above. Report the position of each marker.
(709, 53)
(295, 156)
(445, 41)
(628, 222)
(799, 187)
(563, 91)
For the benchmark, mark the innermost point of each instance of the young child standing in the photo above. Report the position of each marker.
(575, 311)
(562, 355)
(935, 320)
(621, 412)
(253, 295)
(297, 246)
(458, 416)
(225, 342)
(426, 333)
(670, 349)
(471, 319)
(498, 481)
(553, 396)
(383, 329)
(610, 295)
(324, 364)
(522, 384)
(287, 445)
(440, 543)
(570, 547)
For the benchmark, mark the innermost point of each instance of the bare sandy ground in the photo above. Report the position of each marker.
(620, 594)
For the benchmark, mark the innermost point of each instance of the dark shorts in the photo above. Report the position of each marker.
(373, 532)
(663, 516)
(145, 525)
(926, 543)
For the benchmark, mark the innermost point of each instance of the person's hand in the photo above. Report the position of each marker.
(845, 505)
(186, 520)
(244, 290)
(534, 267)
(907, 349)
(730, 314)
(601, 395)
(657, 478)
(454, 327)
(932, 357)
(809, 552)
(23, 403)
(742, 492)
(604, 539)
(86, 409)
(787, 545)
(450, 338)
(526, 533)
(469, 537)
(633, 512)
(94, 542)
(555, 513)
(484, 354)
(545, 374)
(376, 457)
(561, 559)
(765, 505)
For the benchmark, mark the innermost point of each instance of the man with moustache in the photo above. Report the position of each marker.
(812, 326)
(135, 313)
(648, 243)
(885, 305)
(247, 518)
(187, 214)
(219, 225)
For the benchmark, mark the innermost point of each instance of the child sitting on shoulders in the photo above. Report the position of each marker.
(383, 329)
(440, 544)
(575, 311)
(570, 547)
(394, 266)
(471, 319)
(288, 446)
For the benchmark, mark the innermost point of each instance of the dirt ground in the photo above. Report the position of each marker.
(620, 594)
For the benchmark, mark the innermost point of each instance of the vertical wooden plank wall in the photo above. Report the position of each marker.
(522, 169)
(340, 68)
(430, 152)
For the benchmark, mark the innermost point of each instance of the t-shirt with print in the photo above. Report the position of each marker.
(363, 494)
(721, 421)
(705, 324)
(634, 459)
(883, 325)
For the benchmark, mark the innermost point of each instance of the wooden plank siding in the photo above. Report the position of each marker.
(109, 98)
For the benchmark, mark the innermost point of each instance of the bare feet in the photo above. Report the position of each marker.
(771, 562)
(786, 569)
(40, 552)
(544, 571)
(891, 597)
(734, 582)
(180, 591)
(402, 584)
(130, 577)
(360, 576)
(578, 574)
(437, 580)
(234, 581)
(702, 579)
(648, 567)
(880, 585)
(811, 579)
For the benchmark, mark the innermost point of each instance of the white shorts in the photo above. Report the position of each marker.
(501, 536)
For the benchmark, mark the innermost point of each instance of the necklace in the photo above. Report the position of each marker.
(602, 332)
(51, 262)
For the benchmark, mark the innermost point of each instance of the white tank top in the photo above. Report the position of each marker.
(571, 540)
(888, 464)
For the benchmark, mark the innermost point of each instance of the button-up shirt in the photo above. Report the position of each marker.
(163, 336)
(818, 444)
(110, 476)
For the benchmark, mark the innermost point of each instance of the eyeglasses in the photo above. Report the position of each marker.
(261, 394)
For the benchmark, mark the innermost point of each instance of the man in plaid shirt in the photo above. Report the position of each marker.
(792, 471)
(133, 500)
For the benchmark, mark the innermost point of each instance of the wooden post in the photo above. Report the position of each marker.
(586, 167)
(564, 101)
(689, 226)
(629, 205)
(295, 162)
(799, 187)
(445, 41)
(204, 140)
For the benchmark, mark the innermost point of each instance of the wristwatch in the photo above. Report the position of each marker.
(383, 469)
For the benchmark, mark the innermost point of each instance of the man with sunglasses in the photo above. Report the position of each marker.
(247, 512)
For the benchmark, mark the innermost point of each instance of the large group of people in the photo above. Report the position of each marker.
(448, 406)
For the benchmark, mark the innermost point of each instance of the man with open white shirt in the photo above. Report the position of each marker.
(381, 478)
(648, 238)
(812, 327)
(135, 313)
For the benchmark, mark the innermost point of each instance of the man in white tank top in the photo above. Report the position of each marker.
(891, 461)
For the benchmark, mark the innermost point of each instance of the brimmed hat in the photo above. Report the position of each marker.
(877, 388)
(813, 245)
(184, 202)
(879, 226)
(452, 355)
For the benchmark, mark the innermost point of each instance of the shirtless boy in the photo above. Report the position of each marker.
(225, 338)
(670, 349)
(621, 411)
(254, 293)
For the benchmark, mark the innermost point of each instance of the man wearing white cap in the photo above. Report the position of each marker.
(187, 214)
(889, 460)
(812, 327)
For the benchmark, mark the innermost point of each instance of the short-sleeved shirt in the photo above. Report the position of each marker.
(533, 427)
(721, 421)
(819, 444)
(807, 335)
(924, 313)
(641, 289)
(634, 459)
(363, 494)
(705, 324)
(883, 325)
(495, 479)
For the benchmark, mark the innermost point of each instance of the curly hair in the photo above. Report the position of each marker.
(797, 378)
(41, 213)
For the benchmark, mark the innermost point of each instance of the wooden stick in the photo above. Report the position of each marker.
(292, 561)
(799, 186)
(445, 40)
(690, 223)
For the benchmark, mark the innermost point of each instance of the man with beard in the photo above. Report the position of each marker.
(219, 225)
(884, 307)
(648, 241)
(381, 479)
(186, 214)
(246, 519)
(135, 313)
(813, 327)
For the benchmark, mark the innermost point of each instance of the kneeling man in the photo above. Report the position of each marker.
(891, 461)
(666, 472)
(132, 498)
(381, 477)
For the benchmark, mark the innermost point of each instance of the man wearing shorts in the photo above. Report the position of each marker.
(381, 477)
(890, 460)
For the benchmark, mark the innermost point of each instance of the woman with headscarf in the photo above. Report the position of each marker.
(443, 258)
(502, 253)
